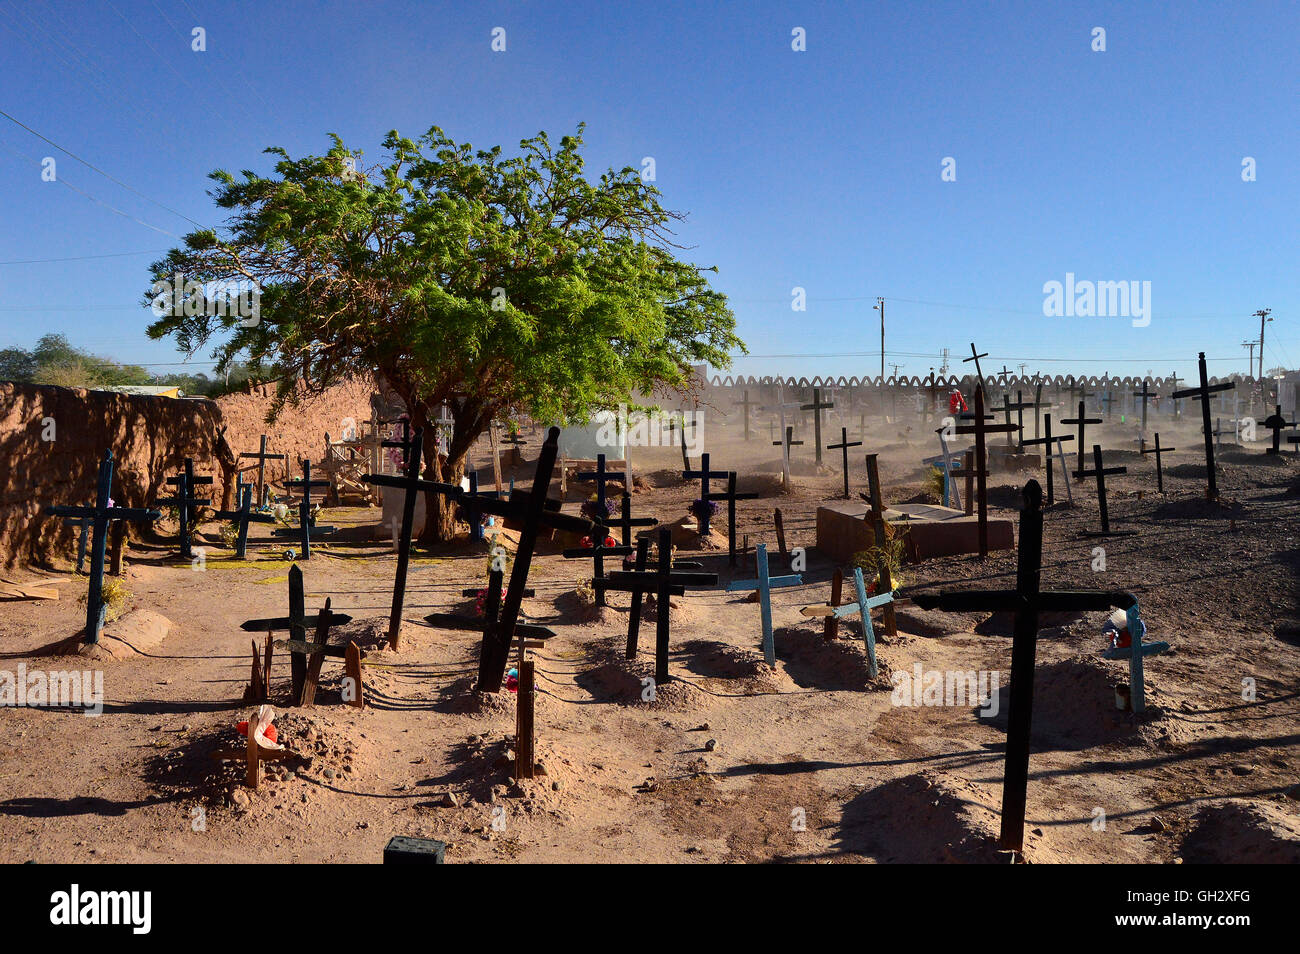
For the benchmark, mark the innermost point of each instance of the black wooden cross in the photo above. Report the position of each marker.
(626, 521)
(1107, 399)
(746, 404)
(1275, 422)
(1027, 601)
(243, 516)
(492, 614)
(673, 428)
(817, 406)
(597, 553)
(731, 496)
(843, 447)
(980, 428)
(514, 441)
(410, 483)
(296, 625)
(1083, 421)
(1145, 395)
(1203, 393)
(1047, 440)
(665, 582)
(1101, 473)
(1079, 393)
(305, 530)
(1158, 450)
(101, 513)
(185, 502)
(704, 475)
(975, 356)
(262, 457)
(1019, 408)
(600, 476)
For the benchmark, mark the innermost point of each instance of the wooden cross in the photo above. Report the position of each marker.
(530, 634)
(243, 516)
(843, 447)
(1274, 422)
(817, 406)
(980, 428)
(1173, 380)
(746, 404)
(262, 457)
(296, 625)
(185, 502)
(410, 484)
(316, 651)
(1027, 601)
(1134, 653)
(863, 606)
(305, 530)
(876, 518)
(1083, 421)
(253, 754)
(785, 446)
(967, 471)
(703, 475)
(947, 464)
(1101, 474)
(514, 441)
(597, 553)
(1048, 441)
(782, 406)
(600, 476)
(626, 521)
(1107, 399)
(731, 496)
(979, 374)
(1158, 450)
(1020, 407)
(101, 513)
(665, 581)
(1145, 395)
(764, 585)
(1203, 394)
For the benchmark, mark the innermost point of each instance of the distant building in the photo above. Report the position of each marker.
(144, 390)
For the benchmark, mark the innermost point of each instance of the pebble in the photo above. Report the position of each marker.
(711, 745)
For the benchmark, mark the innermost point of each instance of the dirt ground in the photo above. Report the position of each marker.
(733, 761)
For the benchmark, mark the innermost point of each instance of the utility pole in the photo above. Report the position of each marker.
(1250, 366)
(880, 304)
(1263, 316)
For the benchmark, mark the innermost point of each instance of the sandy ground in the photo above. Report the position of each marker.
(733, 761)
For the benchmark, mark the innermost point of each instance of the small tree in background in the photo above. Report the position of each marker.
(498, 285)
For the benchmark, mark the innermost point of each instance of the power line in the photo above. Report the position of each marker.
(84, 258)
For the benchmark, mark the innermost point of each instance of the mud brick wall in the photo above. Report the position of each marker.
(150, 438)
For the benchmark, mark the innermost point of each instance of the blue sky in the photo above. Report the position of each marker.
(817, 169)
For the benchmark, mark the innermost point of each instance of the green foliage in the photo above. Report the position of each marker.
(892, 555)
(55, 361)
(502, 285)
(115, 595)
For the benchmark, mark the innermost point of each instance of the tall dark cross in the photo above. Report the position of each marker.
(935, 391)
(1079, 394)
(185, 503)
(704, 475)
(243, 516)
(1019, 408)
(665, 582)
(785, 446)
(1158, 450)
(305, 530)
(975, 356)
(1047, 440)
(1106, 400)
(597, 553)
(843, 447)
(1276, 422)
(1101, 473)
(492, 614)
(1026, 601)
(1036, 405)
(626, 521)
(731, 496)
(531, 511)
(262, 457)
(746, 404)
(980, 428)
(1145, 395)
(296, 625)
(1083, 421)
(817, 406)
(600, 477)
(411, 484)
(1203, 394)
(101, 513)
(1173, 381)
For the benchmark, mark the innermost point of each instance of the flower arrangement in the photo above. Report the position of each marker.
(586, 593)
(230, 535)
(482, 600)
(704, 509)
(586, 543)
(592, 509)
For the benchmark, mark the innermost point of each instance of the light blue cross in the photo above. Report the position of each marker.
(764, 585)
(1134, 653)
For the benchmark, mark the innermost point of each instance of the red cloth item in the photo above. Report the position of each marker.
(270, 733)
(956, 403)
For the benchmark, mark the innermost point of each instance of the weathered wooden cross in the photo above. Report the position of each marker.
(863, 607)
(305, 529)
(1276, 422)
(703, 475)
(764, 585)
(1203, 395)
(625, 521)
(979, 374)
(979, 427)
(1145, 395)
(1083, 421)
(243, 516)
(1101, 473)
(817, 406)
(785, 446)
(102, 513)
(731, 496)
(1050, 444)
(597, 553)
(185, 503)
(262, 457)
(600, 477)
(1158, 450)
(1134, 653)
(843, 447)
(746, 404)
(1026, 601)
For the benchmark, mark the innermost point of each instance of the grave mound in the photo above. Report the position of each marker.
(840, 664)
(722, 661)
(1198, 507)
(460, 698)
(484, 770)
(930, 818)
(1244, 832)
(611, 677)
(1254, 458)
(931, 623)
(1074, 707)
(326, 752)
(135, 635)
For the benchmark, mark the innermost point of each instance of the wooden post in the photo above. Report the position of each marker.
(352, 671)
(780, 537)
(318, 657)
(525, 751)
(831, 625)
(886, 584)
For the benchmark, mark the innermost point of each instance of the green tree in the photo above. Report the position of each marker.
(499, 285)
(16, 365)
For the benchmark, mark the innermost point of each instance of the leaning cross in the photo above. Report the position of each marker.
(863, 606)
(1048, 441)
(296, 625)
(1203, 394)
(1101, 473)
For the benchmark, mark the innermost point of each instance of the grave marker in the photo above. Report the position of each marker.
(1145, 395)
(1158, 450)
(843, 447)
(305, 530)
(703, 475)
(1101, 473)
(876, 517)
(1083, 421)
(764, 585)
(296, 625)
(746, 404)
(817, 406)
(262, 457)
(1203, 395)
(785, 455)
(185, 502)
(980, 428)
(864, 605)
(731, 496)
(1134, 653)
(243, 516)
(1047, 443)
(1274, 422)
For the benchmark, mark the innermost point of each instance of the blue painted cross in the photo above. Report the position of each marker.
(946, 463)
(863, 606)
(764, 586)
(1134, 653)
(101, 513)
(243, 516)
(305, 529)
(185, 502)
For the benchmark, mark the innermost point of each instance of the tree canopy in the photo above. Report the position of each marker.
(496, 284)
